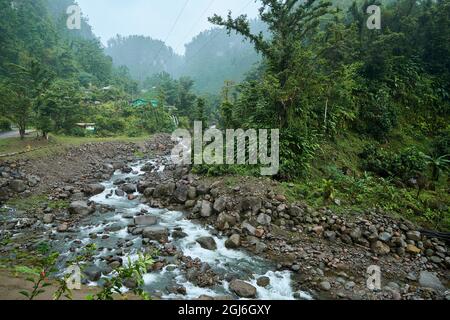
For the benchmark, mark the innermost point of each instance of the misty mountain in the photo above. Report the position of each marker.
(143, 56)
(211, 57)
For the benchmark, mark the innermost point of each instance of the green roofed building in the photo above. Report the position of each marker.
(143, 103)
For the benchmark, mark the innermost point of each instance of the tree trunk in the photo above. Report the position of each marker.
(22, 133)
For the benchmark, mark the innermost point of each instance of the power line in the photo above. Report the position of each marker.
(197, 22)
(172, 29)
(217, 34)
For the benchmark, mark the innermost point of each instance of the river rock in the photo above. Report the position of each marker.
(206, 209)
(94, 189)
(430, 280)
(247, 226)
(127, 169)
(225, 221)
(202, 190)
(145, 220)
(164, 190)
(243, 289)
(17, 186)
(192, 193)
(93, 273)
(264, 219)
(295, 212)
(180, 194)
(325, 285)
(130, 283)
(263, 281)
(233, 242)
(380, 248)
(207, 243)
(62, 227)
(251, 203)
(33, 180)
(220, 204)
(48, 218)
(413, 235)
(178, 234)
(356, 234)
(330, 235)
(156, 233)
(410, 248)
(384, 236)
(80, 208)
(119, 193)
(128, 188)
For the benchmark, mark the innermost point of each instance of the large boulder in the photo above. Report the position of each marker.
(225, 221)
(145, 220)
(179, 234)
(253, 204)
(243, 289)
(48, 218)
(296, 212)
(380, 248)
(93, 273)
(202, 190)
(17, 186)
(128, 188)
(94, 189)
(250, 229)
(233, 242)
(180, 194)
(207, 243)
(430, 280)
(192, 193)
(164, 190)
(220, 204)
(413, 235)
(142, 185)
(80, 208)
(264, 219)
(156, 233)
(4, 194)
(206, 209)
(263, 281)
(148, 192)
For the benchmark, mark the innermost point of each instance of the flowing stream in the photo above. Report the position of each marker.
(112, 237)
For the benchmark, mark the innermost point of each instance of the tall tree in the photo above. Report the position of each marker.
(289, 22)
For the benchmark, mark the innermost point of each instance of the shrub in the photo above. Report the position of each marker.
(403, 165)
(109, 126)
(441, 144)
(296, 153)
(379, 116)
(5, 124)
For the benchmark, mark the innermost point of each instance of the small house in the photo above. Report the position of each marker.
(86, 126)
(143, 103)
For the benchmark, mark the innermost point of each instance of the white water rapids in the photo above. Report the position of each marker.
(222, 260)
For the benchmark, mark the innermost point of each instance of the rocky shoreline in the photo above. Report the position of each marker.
(328, 253)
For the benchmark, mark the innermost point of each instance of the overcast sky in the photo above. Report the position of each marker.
(156, 18)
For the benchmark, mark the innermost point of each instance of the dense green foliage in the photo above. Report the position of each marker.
(52, 78)
(363, 113)
(326, 78)
(325, 72)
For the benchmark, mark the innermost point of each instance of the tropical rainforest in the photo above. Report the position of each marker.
(363, 113)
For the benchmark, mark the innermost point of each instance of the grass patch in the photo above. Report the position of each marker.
(56, 144)
(358, 194)
(37, 202)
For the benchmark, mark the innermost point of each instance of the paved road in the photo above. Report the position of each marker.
(13, 134)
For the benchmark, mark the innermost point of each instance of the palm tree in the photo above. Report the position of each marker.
(437, 165)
